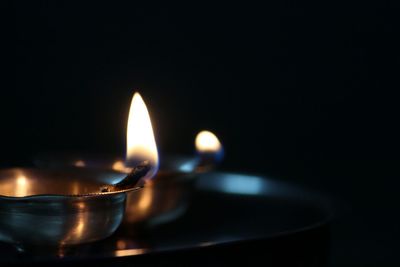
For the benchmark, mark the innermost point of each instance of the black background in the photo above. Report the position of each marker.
(299, 90)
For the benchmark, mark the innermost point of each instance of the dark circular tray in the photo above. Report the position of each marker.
(230, 218)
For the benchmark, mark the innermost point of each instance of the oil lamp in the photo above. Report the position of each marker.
(47, 207)
(67, 206)
(166, 193)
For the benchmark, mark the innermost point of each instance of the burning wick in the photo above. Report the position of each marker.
(209, 149)
(140, 142)
(130, 180)
(209, 153)
(141, 148)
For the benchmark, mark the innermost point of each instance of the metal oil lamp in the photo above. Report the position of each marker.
(47, 207)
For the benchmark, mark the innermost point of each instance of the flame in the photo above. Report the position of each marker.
(141, 145)
(207, 142)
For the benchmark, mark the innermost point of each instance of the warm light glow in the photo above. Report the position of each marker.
(75, 188)
(141, 145)
(207, 142)
(146, 199)
(129, 252)
(119, 166)
(121, 244)
(80, 225)
(21, 181)
(21, 189)
(79, 163)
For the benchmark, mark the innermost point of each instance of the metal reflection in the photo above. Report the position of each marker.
(129, 252)
(161, 200)
(232, 183)
(188, 166)
(240, 184)
(50, 208)
(22, 186)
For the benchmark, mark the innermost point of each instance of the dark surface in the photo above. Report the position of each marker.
(307, 91)
(231, 218)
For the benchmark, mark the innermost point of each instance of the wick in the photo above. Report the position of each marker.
(130, 180)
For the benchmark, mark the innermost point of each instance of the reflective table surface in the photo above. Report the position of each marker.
(230, 217)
